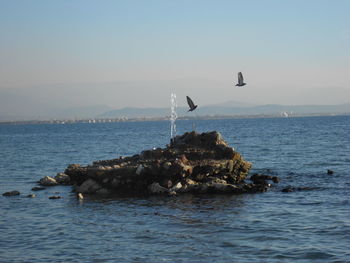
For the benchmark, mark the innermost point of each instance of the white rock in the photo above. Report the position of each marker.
(48, 181)
(166, 165)
(190, 182)
(176, 187)
(185, 188)
(88, 187)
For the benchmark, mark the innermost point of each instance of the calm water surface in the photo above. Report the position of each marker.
(302, 226)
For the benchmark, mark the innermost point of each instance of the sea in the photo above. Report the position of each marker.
(310, 224)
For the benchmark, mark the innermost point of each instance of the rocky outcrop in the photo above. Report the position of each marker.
(192, 163)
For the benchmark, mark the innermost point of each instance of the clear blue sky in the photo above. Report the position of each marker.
(284, 49)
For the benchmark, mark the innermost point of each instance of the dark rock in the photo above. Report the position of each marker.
(293, 189)
(38, 188)
(62, 178)
(90, 186)
(193, 163)
(11, 193)
(330, 172)
(288, 189)
(262, 178)
(275, 179)
(55, 197)
(48, 181)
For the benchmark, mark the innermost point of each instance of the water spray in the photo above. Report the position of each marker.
(173, 117)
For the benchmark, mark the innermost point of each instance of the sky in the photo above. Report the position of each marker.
(136, 53)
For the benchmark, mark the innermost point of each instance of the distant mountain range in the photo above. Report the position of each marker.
(225, 109)
(88, 100)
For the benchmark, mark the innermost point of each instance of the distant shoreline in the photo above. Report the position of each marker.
(166, 118)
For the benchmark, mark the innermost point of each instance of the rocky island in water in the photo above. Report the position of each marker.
(192, 163)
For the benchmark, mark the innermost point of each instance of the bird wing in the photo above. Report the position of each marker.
(240, 78)
(190, 102)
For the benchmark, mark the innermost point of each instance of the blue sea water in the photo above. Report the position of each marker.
(301, 226)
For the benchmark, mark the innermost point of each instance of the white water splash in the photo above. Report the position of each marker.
(173, 116)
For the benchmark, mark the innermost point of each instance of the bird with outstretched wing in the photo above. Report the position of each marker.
(191, 104)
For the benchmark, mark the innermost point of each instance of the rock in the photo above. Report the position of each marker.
(139, 169)
(11, 193)
(275, 179)
(167, 165)
(90, 186)
(193, 162)
(155, 188)
(38, 188)
(171, 193)
(62, 178)
(80, 196)
(176, 187)
(31, 196)
(262, 179)
(115, 183)
(330, 172)
(289, 189)
(190, 182)
(103, 191)
(48, 181)
(166, 182)
(55, 197)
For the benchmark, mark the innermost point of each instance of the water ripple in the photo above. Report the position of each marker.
(301, 226)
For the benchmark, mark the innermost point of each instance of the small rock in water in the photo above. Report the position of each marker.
(293, 189)
(48, 181)
(55, 197)
(11, 193)
(31, 196)
(38, 188)
(330, 172)
(262, 179)
(288, 189)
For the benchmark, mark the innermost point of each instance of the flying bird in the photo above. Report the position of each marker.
(191, 104)
(240, 80)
